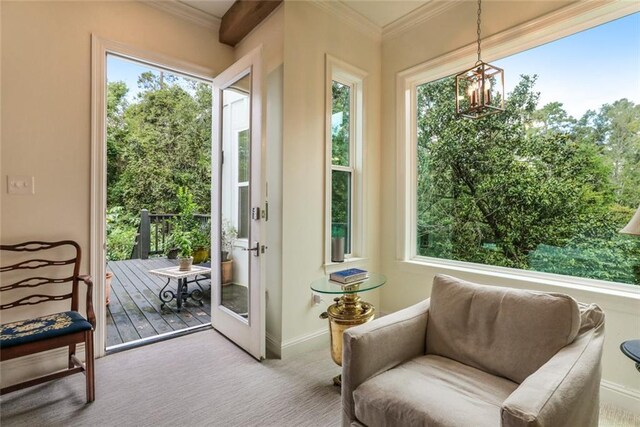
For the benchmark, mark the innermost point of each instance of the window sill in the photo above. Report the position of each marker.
(330, 267)
(593, 286)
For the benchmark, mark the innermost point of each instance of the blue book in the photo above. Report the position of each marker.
(350, 275)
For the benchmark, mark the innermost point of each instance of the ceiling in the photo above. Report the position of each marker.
(383, 13)
(380, 12)
(215, 8)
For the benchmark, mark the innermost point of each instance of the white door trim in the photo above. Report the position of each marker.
(100, 47)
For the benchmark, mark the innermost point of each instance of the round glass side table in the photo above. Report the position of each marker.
(348, 309)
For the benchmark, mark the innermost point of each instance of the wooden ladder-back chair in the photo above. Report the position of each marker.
(52, 330)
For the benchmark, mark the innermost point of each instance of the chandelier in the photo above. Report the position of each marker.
(480, 89)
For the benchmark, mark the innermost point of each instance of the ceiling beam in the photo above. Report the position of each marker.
(242, 17)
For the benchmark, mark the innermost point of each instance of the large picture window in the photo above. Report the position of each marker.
(547, 184)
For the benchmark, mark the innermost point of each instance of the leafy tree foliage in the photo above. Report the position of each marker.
(156, 144)
(159, 143)
(529, 188)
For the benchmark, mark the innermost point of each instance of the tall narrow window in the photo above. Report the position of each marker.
(344, 157)
(341, 165)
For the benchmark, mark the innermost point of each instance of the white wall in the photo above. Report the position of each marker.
(309, 33)
(46, 107)
(410, 283)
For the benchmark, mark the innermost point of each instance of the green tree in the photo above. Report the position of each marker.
(501, 189)
(166, 144)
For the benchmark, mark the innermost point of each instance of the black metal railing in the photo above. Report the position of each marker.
(153, 233)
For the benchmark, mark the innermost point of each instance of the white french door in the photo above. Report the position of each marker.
(238, 205)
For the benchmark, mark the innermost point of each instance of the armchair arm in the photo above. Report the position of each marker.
(564, 391)
(377, 346)
(91, 316)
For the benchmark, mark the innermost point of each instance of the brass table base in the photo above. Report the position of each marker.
(348, 311)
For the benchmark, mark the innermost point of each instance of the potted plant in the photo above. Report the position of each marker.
(108, 278)
(228, 238)
(183, 221)
(201, 239)
(185, 249)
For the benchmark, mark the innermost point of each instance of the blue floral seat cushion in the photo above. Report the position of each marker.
(41, 328)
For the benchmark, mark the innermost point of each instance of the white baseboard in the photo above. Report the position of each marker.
(620, 397)
(302, 344)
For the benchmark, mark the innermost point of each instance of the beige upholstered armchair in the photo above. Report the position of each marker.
(475, 355)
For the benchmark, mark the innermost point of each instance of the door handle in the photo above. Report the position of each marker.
(255, 250)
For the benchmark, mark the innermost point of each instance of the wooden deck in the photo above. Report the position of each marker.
(134, 311)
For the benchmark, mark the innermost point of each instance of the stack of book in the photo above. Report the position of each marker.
(351, 275)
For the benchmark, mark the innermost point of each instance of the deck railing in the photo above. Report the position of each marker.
(153, 232)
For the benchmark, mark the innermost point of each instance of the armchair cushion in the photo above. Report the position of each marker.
(432, 391)
(502, 331)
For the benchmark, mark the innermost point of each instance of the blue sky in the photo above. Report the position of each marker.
(119, 69)
(584, 70)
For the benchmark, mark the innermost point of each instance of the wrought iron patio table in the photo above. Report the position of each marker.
(182, 292)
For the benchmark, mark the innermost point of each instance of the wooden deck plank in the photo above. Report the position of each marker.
(128, 279)
(141, 324)
(191, 311)
(113, 336)
(141, 280)
(134, 311)
(125, 327)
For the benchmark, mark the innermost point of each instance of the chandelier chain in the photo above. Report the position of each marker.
(479, 12)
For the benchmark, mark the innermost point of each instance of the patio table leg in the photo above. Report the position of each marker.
(166, 295)
(182, 285)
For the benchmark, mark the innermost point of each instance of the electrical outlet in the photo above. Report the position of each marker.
(316, 299)
(20, 184)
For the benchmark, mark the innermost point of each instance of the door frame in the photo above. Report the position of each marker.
(250, 335)
(100, 48)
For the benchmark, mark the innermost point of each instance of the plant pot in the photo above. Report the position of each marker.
(227, 272)
(172, 253)
(200, 255)
(185, 263)
(107, 286)
(337, 249)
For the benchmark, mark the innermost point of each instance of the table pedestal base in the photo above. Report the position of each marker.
(348, 311)
(182, 293)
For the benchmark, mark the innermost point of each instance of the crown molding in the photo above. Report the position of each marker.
(184, 11)
(344, 12)
(416, 17)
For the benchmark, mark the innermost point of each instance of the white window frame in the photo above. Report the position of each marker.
(564, 22)
(348, 75)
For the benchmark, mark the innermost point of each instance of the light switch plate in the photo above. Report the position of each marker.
(20, 184)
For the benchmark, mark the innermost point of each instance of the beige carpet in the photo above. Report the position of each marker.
(197, 380)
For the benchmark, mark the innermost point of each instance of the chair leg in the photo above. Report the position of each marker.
(89, 366)
(72, 352)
